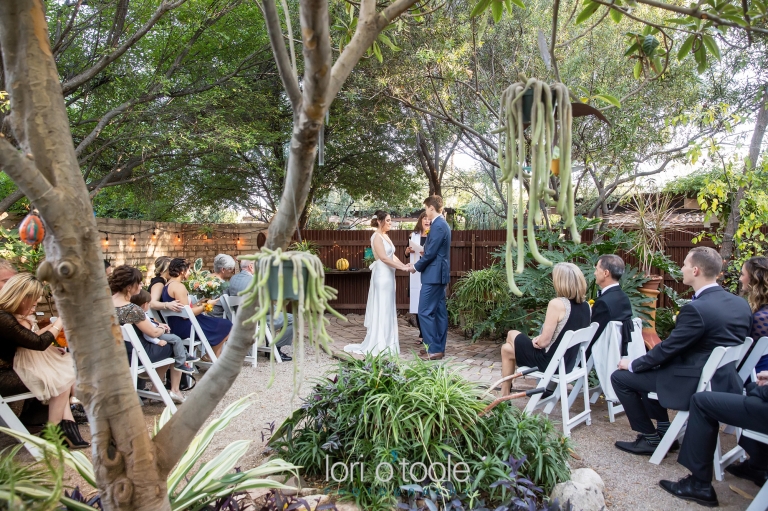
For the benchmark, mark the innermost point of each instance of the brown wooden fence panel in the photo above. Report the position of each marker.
(470, 250)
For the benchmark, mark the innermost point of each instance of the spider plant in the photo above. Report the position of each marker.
(189, 488)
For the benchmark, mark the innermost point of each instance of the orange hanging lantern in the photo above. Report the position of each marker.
(31, 230)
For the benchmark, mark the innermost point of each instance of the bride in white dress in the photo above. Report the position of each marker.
(381, 311)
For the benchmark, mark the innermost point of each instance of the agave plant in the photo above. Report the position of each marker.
(210, 481)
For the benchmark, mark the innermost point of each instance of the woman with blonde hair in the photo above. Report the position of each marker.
(754, 287)
(47, 371)
(569, 310)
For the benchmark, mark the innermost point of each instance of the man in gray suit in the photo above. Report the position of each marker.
(240, 282)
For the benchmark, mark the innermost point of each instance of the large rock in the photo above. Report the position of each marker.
(588, 477)
(582, 497)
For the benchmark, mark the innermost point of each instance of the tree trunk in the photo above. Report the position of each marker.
(123, 454)
(734, 217)
(428, 165)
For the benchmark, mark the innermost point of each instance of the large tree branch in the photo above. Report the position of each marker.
(21, 169)
(369, 26)
(76, 81)
(10, 200)
(174, 438)
(283, 61)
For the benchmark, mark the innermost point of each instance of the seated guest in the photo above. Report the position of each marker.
(157, 284)
(6, 272)
(124, 283)
(754, 287)
(612, 302)
(708, 410)
(224, 269)
(240, 282)
(216, 329)
(180, 355)
(38, 365)
(568, 311)
(673, 367)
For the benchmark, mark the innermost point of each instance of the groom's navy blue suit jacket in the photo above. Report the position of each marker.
(434, 265)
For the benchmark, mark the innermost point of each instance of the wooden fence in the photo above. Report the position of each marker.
(470, 250)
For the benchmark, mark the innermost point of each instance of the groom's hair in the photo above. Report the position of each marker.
(435, 201)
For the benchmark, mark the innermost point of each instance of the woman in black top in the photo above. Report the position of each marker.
(157, 284)
(17, 298)
(568, 311)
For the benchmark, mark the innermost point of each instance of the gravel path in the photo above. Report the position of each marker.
(631, 481)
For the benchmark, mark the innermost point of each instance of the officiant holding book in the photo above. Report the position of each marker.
(415, 250)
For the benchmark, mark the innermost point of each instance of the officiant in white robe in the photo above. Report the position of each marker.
(415, 250)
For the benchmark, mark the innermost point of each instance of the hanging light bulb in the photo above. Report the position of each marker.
(133, 238)
(154, 233)
(178, 237)
(106, 240)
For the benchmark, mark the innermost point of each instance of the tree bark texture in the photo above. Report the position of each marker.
(46, 170)
(322, 82)
(734, 217)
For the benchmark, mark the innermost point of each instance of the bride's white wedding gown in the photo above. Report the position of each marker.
(381, 311)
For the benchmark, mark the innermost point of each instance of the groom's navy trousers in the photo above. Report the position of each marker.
(433, 316)
(435, 268)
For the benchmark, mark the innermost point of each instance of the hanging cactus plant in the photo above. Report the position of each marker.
(309, 306)
(514, 115)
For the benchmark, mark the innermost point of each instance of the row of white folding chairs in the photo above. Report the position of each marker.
(230, 305)
(139, 363)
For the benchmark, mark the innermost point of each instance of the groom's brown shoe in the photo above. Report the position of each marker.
(433, 356)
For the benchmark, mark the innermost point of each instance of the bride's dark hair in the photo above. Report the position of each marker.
(378, 217)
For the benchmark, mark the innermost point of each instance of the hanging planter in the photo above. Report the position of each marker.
(548, 110)
(299, 278)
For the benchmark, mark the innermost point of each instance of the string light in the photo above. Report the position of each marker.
(178, 237)
(133, 239)
(106, 240)
(154, 233)
(238, 239)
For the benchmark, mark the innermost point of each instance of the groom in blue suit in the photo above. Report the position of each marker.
(435, 268)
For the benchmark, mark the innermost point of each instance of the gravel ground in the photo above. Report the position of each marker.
(631, 481)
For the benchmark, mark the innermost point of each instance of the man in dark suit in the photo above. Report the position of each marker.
(435, 268)
(612, 302)
(672, 369)
(708, 410)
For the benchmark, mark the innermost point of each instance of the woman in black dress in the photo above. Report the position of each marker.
(568, 311)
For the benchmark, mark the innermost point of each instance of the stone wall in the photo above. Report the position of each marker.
(138, 243)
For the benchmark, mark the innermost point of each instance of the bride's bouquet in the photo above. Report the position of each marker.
(202, 283)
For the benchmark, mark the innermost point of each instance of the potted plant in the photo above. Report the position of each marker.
(277, 280)
(653, 214)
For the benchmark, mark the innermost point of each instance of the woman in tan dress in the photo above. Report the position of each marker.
(46, 370)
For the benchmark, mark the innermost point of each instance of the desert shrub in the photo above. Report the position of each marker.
(378, 412)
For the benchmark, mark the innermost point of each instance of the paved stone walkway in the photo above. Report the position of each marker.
(482, 358)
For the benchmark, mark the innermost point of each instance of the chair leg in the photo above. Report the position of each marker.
(9, 418)
(587, 402)
(723, 460)
(564, 405)
(666, 442)
(761, 500)
(160, 389)
(575, 392)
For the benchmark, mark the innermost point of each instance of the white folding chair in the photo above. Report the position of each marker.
(156, 315)
(13, 422)
(761, 499)
(196, 335)
(614, 407)
(720, 357)
(230, 305)
(747, 370)
(556, 372)
(748, 367)
(140, 363)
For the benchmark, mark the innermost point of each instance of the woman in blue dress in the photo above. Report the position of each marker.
(216, 329)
